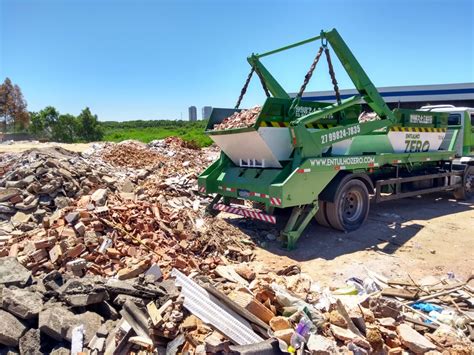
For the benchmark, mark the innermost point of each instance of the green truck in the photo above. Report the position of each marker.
(326, 160)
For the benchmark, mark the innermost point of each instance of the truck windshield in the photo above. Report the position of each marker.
(454, 119)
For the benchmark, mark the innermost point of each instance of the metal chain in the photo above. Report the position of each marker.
(244, 89)
(310, 73)
(333, 76)
(264, 86)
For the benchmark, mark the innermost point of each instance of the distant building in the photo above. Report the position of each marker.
(410, 97)
(206, 112)
(192, 113)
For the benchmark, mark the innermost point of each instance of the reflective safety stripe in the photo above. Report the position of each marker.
(258, 194)
(230, 189)
(245, 213)
(418, 129)
(287, 124)
(275, 201)
(302, 171)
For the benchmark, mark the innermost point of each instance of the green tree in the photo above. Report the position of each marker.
(65, 129)
(36, 123)
(89, 127)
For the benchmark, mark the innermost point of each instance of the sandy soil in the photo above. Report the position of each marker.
(413, 237)
(22, 146)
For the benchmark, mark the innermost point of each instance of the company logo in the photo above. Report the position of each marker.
(301, 111)
(423, 119)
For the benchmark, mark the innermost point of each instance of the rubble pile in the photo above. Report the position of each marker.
(38, 182)
(116, 235)
(131, 154)
(234, 308)
(242, 119)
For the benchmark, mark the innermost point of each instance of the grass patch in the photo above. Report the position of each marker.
(146, 131)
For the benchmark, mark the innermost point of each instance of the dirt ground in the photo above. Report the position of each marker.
(413, 237)
(21, 146)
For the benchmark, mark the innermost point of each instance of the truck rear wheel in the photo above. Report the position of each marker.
(467, 190)
(350, 207)
(321, 214)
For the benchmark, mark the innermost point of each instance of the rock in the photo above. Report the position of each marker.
(99, 197)
(22, 206)
(11, 329)
(60, 350)
(55, 322)
(374, 337)
(6, 208)
(336, 319)
(347, 335)
(22, 303)
(82, 292)
(72, 217)
(284, 335)
(385, 307)
(127, 186)
(91, 321)
(30, 343)
(280, 323)
(8, 193)
(387, 322)
(53, 280)
(12, 273)
(20, 217)
(61, 201)
(414, 340)
(29, 199)
(320, 345)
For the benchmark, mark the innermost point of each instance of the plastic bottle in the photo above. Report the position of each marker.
(299, 336)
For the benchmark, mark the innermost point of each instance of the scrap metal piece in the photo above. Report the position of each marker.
(210, 310)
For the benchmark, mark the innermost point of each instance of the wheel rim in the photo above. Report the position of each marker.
(352, 206)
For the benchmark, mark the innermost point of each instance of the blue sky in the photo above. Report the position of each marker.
(152, 59)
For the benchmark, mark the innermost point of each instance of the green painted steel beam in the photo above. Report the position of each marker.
(272, 84)
(297, 44)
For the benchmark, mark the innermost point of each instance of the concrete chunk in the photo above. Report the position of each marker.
(30, 343)
(11, 329)
(12, 273)
(414, 340)
(55, 322)
(22, 303)
(320, 345)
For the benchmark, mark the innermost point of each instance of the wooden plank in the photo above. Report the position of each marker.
(400, 292)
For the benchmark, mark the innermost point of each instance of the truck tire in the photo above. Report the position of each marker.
(350, 207)
(321, 214)
(467, 190)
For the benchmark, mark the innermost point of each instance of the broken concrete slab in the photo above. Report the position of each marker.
(414, 340)
(83, 292)
(12, 273)
(55, 322)
(22, 303)
(11, 329)
(30, 342)
(99, 197)
(320, 345)
(91, 321)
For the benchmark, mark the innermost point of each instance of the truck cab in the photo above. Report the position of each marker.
(462, 117)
